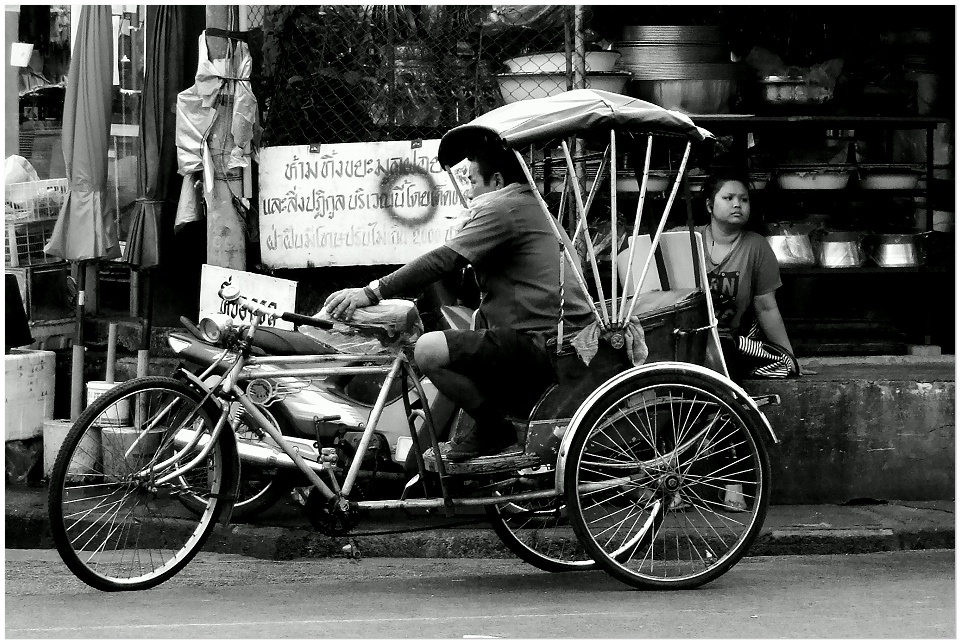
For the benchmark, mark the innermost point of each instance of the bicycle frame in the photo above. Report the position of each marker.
(246, 368)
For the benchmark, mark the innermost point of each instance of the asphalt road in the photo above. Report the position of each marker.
(908, 594)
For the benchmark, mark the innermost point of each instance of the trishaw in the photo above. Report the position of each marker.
(623, 466)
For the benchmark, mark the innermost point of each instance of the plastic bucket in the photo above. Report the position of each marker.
(86, 460)
(20, 53)
(116, 415)
(117, 440)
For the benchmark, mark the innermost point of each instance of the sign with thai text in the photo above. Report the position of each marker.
(355, 203)
(270, 292)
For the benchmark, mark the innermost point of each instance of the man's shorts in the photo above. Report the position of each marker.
(511, 369)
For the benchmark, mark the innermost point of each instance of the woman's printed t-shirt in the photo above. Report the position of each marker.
(517, 261)
(750, 270)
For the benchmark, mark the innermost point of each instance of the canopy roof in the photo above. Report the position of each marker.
(581, 112)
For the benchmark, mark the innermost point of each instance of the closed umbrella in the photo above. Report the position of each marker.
(86, 228)
(156, 153)
(156, 149)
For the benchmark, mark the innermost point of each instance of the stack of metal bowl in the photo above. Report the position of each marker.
(681, 67)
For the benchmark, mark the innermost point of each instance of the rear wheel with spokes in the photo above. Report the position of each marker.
(114, 501)
(652, 473)
(537, 530)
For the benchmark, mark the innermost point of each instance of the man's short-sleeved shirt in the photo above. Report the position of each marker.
(517, 261)
(750, 270)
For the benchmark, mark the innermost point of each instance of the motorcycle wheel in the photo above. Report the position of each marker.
(259, 488)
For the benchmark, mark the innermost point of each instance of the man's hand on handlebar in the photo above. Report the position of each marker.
(341, 304)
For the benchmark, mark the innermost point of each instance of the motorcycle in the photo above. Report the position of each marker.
(322, 413)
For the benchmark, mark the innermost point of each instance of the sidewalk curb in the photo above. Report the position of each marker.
(32, 531)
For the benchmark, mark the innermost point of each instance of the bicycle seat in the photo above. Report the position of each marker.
(278, 341)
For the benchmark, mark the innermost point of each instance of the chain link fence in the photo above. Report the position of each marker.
(346, 73)
(352, 73)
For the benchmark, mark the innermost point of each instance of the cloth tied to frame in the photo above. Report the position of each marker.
(587, 342)
(197, 111)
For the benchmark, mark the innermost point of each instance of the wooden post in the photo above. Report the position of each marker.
(76, 372)
(111, 352)
(226, 242)
(579, 49)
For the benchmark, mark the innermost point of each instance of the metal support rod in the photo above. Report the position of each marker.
(568, 252)
(308, 359)
(663, 223)
(410, 414)
(372, 422)
(613, 224)
(636, 228)
(586, 236)
(432, 432)
(593, 191)
(429, 503)
(313, 372)
(196, 460)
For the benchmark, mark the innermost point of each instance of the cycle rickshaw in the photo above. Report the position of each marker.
(622, 464)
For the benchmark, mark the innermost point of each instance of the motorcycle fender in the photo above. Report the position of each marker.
(230, 450)
(747, 404)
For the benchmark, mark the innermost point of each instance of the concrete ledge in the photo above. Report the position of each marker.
(870, 429)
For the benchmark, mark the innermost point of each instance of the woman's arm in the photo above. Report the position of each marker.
(771, 323)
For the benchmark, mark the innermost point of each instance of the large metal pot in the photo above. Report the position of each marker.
(840, 249)
(791, 244)
(894, 250)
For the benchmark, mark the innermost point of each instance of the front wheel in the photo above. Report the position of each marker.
(117, 523)
(654, 474)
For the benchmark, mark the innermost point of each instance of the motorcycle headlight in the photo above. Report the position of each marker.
(215, 326)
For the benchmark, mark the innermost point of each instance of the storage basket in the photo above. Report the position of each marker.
(25, 242)
(34, 201)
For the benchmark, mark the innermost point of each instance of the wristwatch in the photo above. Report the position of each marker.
(374, 287)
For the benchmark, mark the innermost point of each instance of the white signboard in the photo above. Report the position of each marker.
(279, 294)
(355, 203)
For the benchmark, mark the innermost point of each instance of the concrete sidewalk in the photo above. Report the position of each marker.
(284, 532)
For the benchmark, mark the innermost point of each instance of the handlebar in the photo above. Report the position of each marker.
(231, 293)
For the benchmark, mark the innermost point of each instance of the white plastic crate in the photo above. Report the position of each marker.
(34, 201)
(28, 392)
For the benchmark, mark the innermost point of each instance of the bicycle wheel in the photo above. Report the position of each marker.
(645, 477)
(538, 530)
(259, 488)
(115, 522)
